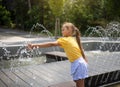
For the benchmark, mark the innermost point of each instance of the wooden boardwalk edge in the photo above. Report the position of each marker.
(64, 84)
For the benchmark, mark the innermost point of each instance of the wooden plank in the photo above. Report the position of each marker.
(43, 71)
(2, 84)
(56, 77)
(8, 82)
(64, 84)
(55, 56)
(26, 78)
(42, 74)
(61, 68)
(56, 53)
(37, 78)
(15, 78)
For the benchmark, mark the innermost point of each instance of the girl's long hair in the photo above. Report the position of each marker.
(76, 33)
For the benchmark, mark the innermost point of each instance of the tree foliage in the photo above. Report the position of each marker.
(78, 12)
(4, 16)
(56, 7)
(83, 13)
(112, 9)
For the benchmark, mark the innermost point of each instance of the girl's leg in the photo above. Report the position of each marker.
(80, 83)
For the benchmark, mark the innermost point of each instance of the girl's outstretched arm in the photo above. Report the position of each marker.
(43, 45)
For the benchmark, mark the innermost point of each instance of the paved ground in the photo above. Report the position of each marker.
(9, 34)
(14, 35)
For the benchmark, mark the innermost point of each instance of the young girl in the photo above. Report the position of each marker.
(71, 44)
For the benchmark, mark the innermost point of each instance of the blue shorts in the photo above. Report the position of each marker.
(79, 69)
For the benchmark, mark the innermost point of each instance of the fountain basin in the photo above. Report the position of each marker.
(14, 49)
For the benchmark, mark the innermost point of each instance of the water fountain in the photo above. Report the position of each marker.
(11, 51)
(108, 44)
(108, 38)
(16, 55)
(44, 30)
(98, 49)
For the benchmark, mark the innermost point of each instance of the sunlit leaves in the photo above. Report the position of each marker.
(56, 7)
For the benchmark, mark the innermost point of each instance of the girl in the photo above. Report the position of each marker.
(71, 44)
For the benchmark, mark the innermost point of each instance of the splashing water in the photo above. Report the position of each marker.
(24, 55)
(44, 30)
(111, 32)
(109, 46)
(105, 35)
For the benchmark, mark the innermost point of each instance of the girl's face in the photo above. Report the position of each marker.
(66, 31)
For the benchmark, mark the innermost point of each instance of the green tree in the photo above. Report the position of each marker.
(4, 16)
(96, 9)
(77, 12)
(112, 10)
(40, 13)
(19, 9)
(84, 12)
(57, 9)
(25, 13)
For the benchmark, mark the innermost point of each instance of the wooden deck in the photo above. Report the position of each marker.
(55, 56)
(56, 53)
(36, 76)
(49, 74)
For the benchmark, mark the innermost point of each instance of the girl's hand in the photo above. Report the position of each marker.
(30, 46)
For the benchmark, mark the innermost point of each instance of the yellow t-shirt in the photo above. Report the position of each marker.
(71, 48)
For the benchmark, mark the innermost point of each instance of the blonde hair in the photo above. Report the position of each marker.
(76, 33)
